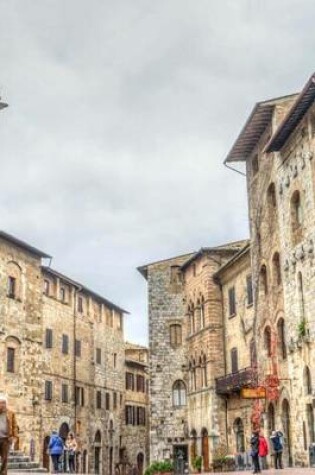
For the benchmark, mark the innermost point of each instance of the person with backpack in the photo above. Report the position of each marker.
(254, 443)
(55, 449)
(277, 445)
(263, 451)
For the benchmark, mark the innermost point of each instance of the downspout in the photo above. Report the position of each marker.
(76, 291)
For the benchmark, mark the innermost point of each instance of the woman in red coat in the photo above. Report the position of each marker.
(263, 452)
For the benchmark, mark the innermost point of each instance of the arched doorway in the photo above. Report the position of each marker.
(140, 463)
(238, 428)
(97, 452)
(286, 432)
(193, 446)
(84, 461)
(46, 453)
(205, 448)
(64, 431)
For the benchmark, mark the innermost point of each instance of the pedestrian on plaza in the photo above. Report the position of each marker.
(263, 451)
(277, 445)
(8, 433)
(254, 443)
(71, 446)
(55, 449)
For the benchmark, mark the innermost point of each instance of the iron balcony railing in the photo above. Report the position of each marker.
(234, 382)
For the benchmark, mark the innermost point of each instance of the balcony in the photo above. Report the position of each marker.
(234, 382)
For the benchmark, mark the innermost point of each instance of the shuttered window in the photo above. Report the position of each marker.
(65, 393)
(65, 344)
(49, 338)
(232, 303)
(130, 381)
(98, 356)
(98, 400)
(107, 401)
(140, 383)
(48, 390)
(78, 348)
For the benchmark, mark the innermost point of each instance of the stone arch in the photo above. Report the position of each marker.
(238, 427)
(263, 279)
(140, 463)
(98, 452)
(205, 448)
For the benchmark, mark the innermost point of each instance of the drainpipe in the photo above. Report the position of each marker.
(75, 293)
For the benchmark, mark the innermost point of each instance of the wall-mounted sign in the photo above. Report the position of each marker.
(253, 393)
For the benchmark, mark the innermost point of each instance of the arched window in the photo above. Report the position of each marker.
(204, 371)
(238, 428)
(13, 354)
(176, 335)
(202, 312)
(253, 354)
(263, 279)
(307, 381)
(281, 338)
(296, 217)
(267, 340)
(191, 312)
(271, 197)
(300, 293)
(179, 393)
(14, 280)
(276, 270)
(271, 418)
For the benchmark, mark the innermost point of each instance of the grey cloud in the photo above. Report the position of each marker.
(120, 116)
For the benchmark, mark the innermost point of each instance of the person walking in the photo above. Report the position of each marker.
(55, 448)
(71, 446)
(263, 451)
(254, 443)
(8, 433)
(277, 445)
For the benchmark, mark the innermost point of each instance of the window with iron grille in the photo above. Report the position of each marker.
(175, 335)
(98, 400)
(232, 303)
(98, 356)
(78, 348)
(48, 390)
(65, 344)
(10, 360)
(129, 381)
(49, 338)
(65, 393)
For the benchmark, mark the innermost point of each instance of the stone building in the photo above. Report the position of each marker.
(235, 281)
(136, 428)
(168, 369)
(277, 146)
(205, 347)
(62, 354)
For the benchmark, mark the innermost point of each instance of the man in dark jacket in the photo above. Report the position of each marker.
(254, 443)
(8, 432)
(276, 440)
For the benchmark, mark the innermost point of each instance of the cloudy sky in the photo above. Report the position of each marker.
(121, 114)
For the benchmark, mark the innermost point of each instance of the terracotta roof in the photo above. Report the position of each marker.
(23, 245)
(303, 102)
(82, 287)
(253, 129)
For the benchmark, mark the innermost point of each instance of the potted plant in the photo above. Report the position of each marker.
(197, 463)
(157, 468)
